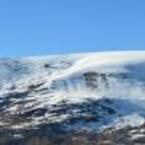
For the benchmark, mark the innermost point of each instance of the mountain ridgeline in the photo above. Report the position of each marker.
(69, 94)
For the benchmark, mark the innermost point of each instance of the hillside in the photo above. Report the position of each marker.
(80, 95)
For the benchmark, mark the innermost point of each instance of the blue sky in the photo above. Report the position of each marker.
(41, 27)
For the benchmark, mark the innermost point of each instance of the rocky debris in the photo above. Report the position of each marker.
(35, 86)
(45, 136)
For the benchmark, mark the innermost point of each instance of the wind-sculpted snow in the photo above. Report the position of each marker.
(86, 91)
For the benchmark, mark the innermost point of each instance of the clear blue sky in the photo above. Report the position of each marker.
(37, 27)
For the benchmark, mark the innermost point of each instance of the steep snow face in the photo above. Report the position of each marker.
(108, 85)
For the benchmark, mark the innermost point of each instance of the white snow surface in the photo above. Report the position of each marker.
(61, 78)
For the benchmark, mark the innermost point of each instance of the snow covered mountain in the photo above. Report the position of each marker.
(90, 92)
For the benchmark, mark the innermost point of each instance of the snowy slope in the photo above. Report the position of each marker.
(86, 91)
